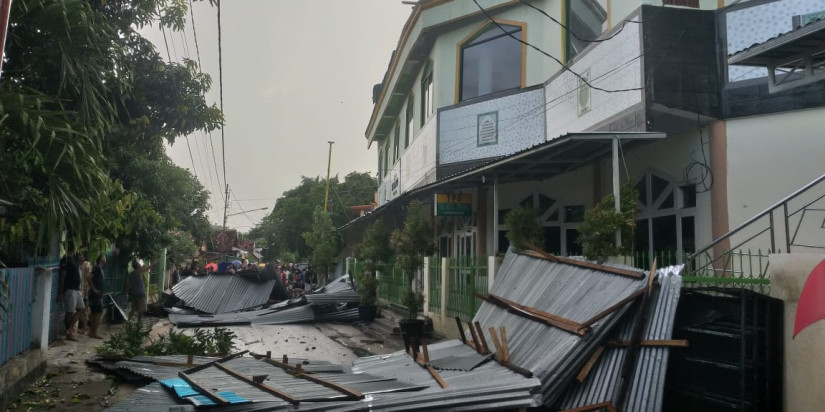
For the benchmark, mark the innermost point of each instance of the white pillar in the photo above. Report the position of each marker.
(616, 186)
(426, 282)
(445, 270)
(495, 214)
(41, 307)
(492, 268)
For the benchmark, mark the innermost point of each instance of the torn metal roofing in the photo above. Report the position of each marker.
(222, 293)
(339, 290)
(151, 398)
(645, 392)
(575, 293)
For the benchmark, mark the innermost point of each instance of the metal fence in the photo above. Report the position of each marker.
(392, 284)
(16, 295)
(466, 275)
(434, 289)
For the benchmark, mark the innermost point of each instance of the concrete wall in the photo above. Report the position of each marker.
(769, 157)
(415, 166)
(571, 106)
(804, 356)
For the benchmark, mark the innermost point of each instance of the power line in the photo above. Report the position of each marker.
(571, 32)
(564, 66)
(220, 85)
(195, 35)
(191, 158)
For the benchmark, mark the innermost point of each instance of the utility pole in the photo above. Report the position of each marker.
(329, 164)
(225, 206)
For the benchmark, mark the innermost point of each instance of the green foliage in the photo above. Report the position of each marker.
(288, 256)
(127, 343)
(414, 240)
(86, 104)
(292, 215)
(411, 244)
(413, 301)
(322, 240)
(525, 228)
(130, 342)
(181, 247)
(373, 252)
(598, 232)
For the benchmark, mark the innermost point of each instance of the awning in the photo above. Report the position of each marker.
(793, 59)
(781, 50)
(542, 161)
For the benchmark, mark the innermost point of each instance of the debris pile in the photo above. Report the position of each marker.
(234, 300)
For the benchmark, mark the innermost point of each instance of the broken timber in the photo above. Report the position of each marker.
(536, 315)
(671, 343)
(297, 372)
(214, 397)
(538, 253)
(259, 385)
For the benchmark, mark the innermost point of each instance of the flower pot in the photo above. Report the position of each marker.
(367, 313)
(412, 330)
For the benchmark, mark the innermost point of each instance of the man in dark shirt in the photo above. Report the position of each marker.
(96, 297)
(69, 290)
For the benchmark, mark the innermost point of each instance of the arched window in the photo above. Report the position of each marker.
(491, 61)
(666, 224)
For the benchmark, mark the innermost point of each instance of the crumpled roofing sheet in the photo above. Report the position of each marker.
(339, 290)
(222, 293)
(572, 292)
(646, 391)
(292, 314)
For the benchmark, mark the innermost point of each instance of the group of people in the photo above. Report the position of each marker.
(81, 291)
(290, 280)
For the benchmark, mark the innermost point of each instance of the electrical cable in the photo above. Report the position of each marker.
(195, 172)
(564, 66)
(220, 86)
(571, 32)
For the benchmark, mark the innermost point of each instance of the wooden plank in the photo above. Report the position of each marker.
(482, 338)
(475, 337)
(595, 407)
(537, 311)
(566, 326)
(613, 308)
(672, 343)
(437, 377)
(460, 329)
(581, 263)
(224, 359)
(352, 393)
(589, 364)
(287, 367)
(262, 386)
(497, 344)
(504, 346)
(517, 369)
(203, 391)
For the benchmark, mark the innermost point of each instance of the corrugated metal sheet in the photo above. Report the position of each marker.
(222, 293)
(572, 292)
(294, 314)
(646, 391)
(147, 370)
(339, 290)
(15, 322)
(151, 398)
(346, 315)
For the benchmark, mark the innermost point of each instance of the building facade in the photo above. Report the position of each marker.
(518, 103)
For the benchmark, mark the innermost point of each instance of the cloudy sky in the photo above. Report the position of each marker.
(296, 74)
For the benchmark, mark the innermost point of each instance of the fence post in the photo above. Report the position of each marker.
(445, 270)
(41, 309)
(492, 268)
(426, 288)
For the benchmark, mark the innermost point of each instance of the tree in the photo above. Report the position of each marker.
(373, 252)
(292, 213)
(85, 101)
(322, 240)
(412, 243)
(525, 228)
(181, 247)
(597, 234)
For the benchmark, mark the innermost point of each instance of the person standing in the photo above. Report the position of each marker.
(85, 280)
(175, 275)
(96, 297)
(136, 289)
(69, 291)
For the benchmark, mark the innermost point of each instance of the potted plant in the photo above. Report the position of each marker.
(411, 244)
(597, 234)
(372, 253)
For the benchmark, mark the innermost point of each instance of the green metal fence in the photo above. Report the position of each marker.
(434, 290)
(391, 284)
(466, 275)
(733, 269)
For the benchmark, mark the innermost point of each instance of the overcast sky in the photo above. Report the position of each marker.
(296, 74)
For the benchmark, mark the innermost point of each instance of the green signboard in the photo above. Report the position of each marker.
(454, 204)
